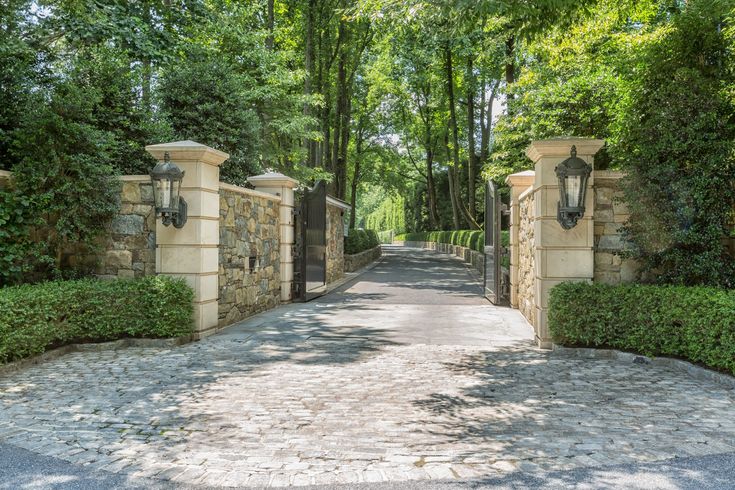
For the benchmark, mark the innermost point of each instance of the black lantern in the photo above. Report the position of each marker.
(573, 174)
(167, 177)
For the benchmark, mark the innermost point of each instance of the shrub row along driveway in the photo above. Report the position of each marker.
(407, 374)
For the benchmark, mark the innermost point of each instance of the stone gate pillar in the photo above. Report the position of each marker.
(519, 183)
(282, 185)
(192, 252)
(559, 254)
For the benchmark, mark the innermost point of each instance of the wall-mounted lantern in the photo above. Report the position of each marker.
(166, 177)
(573, 174)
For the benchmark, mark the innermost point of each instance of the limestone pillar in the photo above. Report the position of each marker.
(282, 185)
(518, 183)
(192, 252)
(560, 255)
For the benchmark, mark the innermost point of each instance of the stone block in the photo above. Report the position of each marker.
(125, 274)
(611, 242)
(603, 277)
(131, 192)
(119, 259)
(127, 224)
(604, 195)
(629, 270)
(146, 193)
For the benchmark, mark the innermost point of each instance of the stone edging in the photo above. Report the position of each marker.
(371, 254)
(93, 347)
(696, 372)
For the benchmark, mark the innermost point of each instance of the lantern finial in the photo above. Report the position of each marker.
(574, 151)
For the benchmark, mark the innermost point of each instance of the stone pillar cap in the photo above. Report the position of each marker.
(188, 151)
(273, 179)
(521, 178)
(560, 147)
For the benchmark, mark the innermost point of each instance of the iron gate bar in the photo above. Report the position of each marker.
(495, 280)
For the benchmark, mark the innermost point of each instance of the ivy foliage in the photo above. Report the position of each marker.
(677, 145)
(63, 190)
(35, 318)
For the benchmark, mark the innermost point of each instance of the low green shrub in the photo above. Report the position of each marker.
(473, 239)
(693, 323)
(35, 318)
(358, 241)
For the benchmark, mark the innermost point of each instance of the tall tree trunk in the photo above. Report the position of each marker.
(271, 26)
(355, 179)
(472, 155)
(450, 178)
(455, 138)
(510, 65)
(431, 189)
(487, 124)
(311, 146)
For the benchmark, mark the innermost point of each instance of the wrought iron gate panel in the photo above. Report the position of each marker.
(497, 285)
(311, 277)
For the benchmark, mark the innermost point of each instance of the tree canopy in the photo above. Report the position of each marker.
(406, 107)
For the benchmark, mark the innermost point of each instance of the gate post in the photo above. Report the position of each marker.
(282, 185)
(559, 254)
(192, 252)
(519, 183)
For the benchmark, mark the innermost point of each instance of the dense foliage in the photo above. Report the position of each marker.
(35, 318)
(694, 323)
(360, 240)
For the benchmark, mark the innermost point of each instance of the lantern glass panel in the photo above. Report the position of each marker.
(163, 194)
(574, 190)
(175, 190)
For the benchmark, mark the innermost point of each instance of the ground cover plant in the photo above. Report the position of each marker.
(35, 318)
(693, 323)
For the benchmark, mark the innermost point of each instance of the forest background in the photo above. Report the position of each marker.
(406, 107)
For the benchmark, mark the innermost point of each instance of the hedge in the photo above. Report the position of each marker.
(693, 323)
(35, 318)
(358, 241)
(474, 239)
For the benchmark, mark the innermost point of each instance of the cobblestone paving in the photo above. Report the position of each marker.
(239, 413)
(360, 389)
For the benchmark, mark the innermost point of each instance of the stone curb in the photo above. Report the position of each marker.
(696, 372)
(93, 347)
(372, 253)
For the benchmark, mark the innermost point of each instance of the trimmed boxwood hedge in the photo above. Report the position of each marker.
(358, 241)
(473, 239)
(693, 323)
(35, 318)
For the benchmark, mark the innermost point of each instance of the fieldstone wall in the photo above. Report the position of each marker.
(526, 259)
(335, 244)
(249, 253)
(610, 214)
(130, 246)
(358, 261)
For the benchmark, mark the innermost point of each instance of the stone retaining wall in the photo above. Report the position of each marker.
(249, 253)
(526, 259)
(610, 214)
(471, 257)
(358, 261)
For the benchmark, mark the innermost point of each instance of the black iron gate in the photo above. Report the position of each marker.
(310, 261)
(497, 276)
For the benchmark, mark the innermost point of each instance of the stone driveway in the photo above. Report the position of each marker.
(407, 374)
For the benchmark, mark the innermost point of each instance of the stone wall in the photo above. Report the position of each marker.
(335, 243)
(526, 259)
(249, 253)
(610, 214)
(358, 261)
(130, 245)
